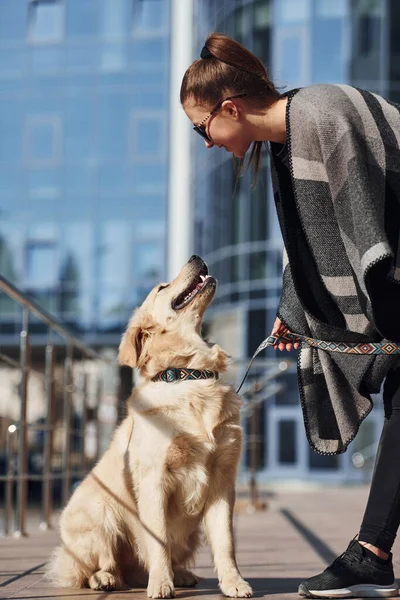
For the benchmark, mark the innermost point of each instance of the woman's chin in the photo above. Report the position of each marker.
(240, 152)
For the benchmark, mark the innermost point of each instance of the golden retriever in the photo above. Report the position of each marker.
(136, 518)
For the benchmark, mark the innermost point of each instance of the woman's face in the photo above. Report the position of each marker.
(227, 127)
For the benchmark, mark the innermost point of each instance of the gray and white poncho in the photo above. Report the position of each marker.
(339, 213)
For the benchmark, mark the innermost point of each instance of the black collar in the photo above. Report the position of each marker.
(172, 374)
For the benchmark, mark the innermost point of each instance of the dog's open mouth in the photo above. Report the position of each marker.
(197, 285)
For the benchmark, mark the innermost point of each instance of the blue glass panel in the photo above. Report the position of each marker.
(42, 192)
(13, 62)
(291, 48)
(41, 139)
(149, 15)
(113, 121)
(113, 250)
(149, 51)
(155, 99)
(292, 11)
(11, 249)
(78, 270)
(328, 62)
(42, 257)
(149, 136)
(11, 130)
(115, 179)
(80, 180)
(82, 18)
(114, 57)
(11, 191)
(79, 127)
(150, 178)
(114, 19)
(12, 20)
(149, 261)
(80, 56)
(45, 59)
(46, 21)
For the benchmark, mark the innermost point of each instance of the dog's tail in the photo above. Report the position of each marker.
(67, 569)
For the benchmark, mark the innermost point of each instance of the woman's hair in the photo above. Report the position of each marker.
(227, 69)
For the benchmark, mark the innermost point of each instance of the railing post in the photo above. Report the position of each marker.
(83, 390)
(68, 390)
(8, 505)
(47, 486)
(20, 519)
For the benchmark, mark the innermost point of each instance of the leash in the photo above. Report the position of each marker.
(365, 348)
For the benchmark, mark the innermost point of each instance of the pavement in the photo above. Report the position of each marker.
(298, 535)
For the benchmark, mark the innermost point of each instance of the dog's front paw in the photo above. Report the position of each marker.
(235, 586)
(102, 580)
(183, 578)
(160, 586)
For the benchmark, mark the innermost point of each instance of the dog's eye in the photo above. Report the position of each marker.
(162, 287)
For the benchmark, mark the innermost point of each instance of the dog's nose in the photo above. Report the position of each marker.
(194, 257)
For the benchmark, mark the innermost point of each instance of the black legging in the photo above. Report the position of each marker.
(382, 515)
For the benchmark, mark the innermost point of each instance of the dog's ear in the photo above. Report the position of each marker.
(131, 349)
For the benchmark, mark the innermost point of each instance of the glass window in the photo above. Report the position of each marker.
(41, 266)
(114, 18)
(79, 128)
(148, 135)
(46, 21)
(145, 51)
(150, 17)
(77, 270)
(12, 20)
(149, 261)
(11, 121)
(112, 251)
(7, 267)
(329, 50)
(290, 55)
(43, 140)
(13, 235)
(82, 18)
(287, 442)
(293, 11)
(113, 124)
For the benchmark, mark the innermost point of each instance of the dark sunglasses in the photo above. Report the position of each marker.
(201, 128)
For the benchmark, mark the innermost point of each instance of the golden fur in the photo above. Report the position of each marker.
(136, 518)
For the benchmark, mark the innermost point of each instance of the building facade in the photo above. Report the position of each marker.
(301, 42)
(84, 100)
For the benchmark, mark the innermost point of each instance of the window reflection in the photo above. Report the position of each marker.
(150, 16)
(82, 18)
(46, 21)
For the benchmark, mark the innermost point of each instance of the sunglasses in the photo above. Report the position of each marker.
(201, 128)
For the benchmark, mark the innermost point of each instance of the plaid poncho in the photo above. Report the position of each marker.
(340, 218)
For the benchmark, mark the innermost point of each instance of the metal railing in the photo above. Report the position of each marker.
(17, 475)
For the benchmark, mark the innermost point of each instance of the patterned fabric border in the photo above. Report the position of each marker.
(360, 349)
(364, 348)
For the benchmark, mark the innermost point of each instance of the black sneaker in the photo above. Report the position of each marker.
(356, 573)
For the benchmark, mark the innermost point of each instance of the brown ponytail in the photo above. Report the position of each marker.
(229, 69)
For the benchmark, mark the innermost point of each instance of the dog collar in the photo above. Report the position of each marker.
(172, 374)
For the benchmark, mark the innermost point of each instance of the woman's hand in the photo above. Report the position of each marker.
(279, 329)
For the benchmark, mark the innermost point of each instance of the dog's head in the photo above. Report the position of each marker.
(166, 330)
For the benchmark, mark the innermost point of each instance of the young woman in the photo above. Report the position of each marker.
(335, 160)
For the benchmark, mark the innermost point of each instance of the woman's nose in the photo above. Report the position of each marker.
(208, 144)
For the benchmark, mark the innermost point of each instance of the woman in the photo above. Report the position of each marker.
(335, 159)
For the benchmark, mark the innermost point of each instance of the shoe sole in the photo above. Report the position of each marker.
(366, 590)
